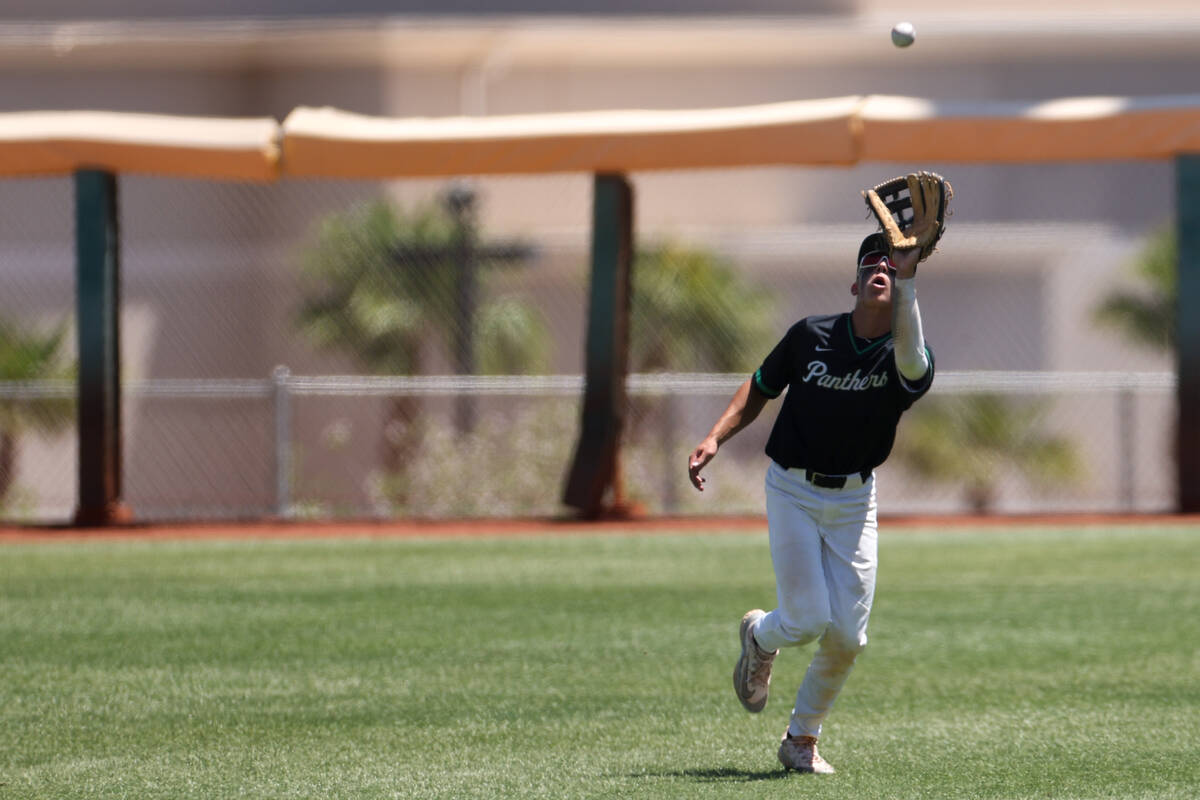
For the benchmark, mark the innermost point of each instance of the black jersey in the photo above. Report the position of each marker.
(844, 396)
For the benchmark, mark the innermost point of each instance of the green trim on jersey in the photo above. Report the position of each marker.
(854, 339)
(762, 387)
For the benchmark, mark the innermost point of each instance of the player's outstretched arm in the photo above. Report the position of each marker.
(741, 411)
(905, 261)
(911, 359)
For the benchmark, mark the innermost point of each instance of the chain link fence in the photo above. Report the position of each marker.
(415, 348)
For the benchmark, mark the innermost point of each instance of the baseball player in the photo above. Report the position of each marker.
(848, 379)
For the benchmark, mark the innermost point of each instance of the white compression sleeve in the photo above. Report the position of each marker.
(911, 359)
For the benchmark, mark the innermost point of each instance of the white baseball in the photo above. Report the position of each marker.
(903, 34)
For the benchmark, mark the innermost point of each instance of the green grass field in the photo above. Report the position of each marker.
(1004, 663)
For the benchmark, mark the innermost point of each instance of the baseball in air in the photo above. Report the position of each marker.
(903, 34)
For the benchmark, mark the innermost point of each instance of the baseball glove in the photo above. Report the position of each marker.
(912, 210)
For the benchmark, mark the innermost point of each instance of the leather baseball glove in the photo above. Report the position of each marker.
(912, 210)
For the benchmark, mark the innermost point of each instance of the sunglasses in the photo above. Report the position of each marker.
(871, 261)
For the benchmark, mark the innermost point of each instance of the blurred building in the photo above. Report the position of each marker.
(209, 267)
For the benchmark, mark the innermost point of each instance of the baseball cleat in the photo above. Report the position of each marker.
(752, 675)
(800, 753)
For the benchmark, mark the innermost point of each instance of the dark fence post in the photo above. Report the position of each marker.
(595, 469)
(1187, 170)
(98, 303)
(461, 203)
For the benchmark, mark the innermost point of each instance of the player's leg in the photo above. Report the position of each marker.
(850, 559)
(803, 608)
(803, 605)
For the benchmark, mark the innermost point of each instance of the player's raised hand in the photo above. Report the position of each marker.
(699, 457)
(905, 261)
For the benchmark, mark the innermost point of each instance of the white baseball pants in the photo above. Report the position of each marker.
(824, 546)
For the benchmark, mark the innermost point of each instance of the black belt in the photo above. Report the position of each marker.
(831, 481)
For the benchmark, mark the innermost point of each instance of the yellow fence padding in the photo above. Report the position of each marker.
(1069, 129)
(60, 142)
(327, 142)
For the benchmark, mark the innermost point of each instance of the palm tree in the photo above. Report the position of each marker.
(512, 338)
(367, 304)
(383, 289)
(1147, 317)
(692, 311)
(969, 440)
(29, 356)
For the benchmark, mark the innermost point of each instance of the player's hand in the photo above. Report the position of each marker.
(905, 261)
(696, 461)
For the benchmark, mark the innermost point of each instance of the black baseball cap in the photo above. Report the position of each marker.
(875, 243)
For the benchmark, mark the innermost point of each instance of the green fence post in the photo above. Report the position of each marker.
(596, 467)
(97, 275)
(1187, 168)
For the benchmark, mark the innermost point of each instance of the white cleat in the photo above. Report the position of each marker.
(800, 753)
(752, 675)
